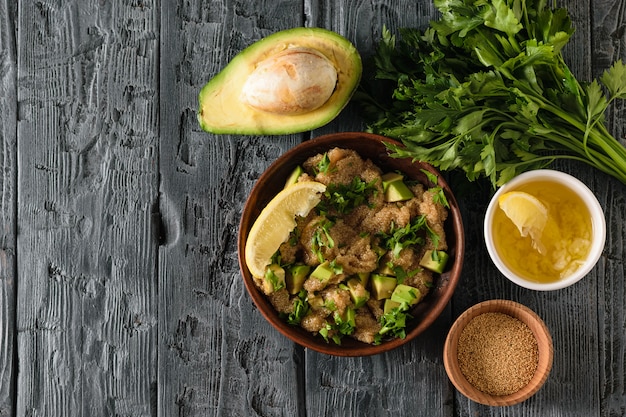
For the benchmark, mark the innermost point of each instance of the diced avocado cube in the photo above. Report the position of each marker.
(274, 278)
(295, 278)
(390, 305)
(382, 286)
(389, 178)
(323, 271)
(316, 302)
(293, 177)
(394, 187)
(358, 293)
(434, 260)
(349, 317)
(406, 294)
(386, 269)
(398, 191)
(364, 277)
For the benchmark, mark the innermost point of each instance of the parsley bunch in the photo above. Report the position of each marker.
(485, 89)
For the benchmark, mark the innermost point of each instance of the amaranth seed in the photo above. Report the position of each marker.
(497, 353)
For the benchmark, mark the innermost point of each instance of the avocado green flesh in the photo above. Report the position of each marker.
(293, 177)
(434, 263)
(296, 277)
(358, 293)
(395, 189)
(221, 111)
(390, 305)
(389, 178)
(382, 286)
(274, 279)
(323, 272)
(406, 294)
(398, 191)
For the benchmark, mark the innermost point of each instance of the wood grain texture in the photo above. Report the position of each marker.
(609, 45)
(570, 314)
(120, 291)
(410, 380)
(87, 137)
(392, 383)
(217, 356)
(362, 23)
(8, 190)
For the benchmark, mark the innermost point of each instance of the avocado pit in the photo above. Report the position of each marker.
(294, 81)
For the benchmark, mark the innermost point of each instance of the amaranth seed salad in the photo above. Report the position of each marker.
(364, 256)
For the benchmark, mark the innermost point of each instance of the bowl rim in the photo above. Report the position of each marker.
(598, 225)
(516, 310)
(352, 347)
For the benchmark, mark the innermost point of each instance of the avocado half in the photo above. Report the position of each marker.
(222, 111)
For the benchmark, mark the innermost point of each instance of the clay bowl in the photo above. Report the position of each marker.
(372, 147)
(513, 309)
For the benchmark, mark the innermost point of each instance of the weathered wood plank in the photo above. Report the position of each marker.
(217, 355)
(8, 167)
(609, 45)
(362, 23)
(571, 314)
(410, 380)
(106, 112)
(88, 108)
(612, 312)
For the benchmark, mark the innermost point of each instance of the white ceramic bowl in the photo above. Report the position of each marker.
(597, 219)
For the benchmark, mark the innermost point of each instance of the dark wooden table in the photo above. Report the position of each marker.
(120, 291)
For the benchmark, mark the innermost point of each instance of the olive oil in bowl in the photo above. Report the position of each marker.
(565, 240)
(556, 241)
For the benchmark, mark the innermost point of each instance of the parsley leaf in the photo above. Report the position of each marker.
(413, 234)
(341, 326)
(346, 324)
(321, 238)
(323, 166)
(439, 196)
(300, 309)
(275, 281)
(344, 198)
(615, 80)
(393, 323)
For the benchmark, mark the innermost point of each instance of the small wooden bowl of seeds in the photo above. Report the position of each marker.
(498, 353)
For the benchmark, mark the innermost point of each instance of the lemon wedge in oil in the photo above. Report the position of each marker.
(276, 222)
(527, 213)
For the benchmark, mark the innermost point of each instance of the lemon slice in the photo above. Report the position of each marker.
(276, 222)
(527, 213)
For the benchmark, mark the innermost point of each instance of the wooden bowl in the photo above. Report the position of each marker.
(518, 311)
(372, 147)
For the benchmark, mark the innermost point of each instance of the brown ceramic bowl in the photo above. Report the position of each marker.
(372, 147)
(522, 313)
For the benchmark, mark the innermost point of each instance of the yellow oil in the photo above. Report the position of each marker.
(566, 238)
